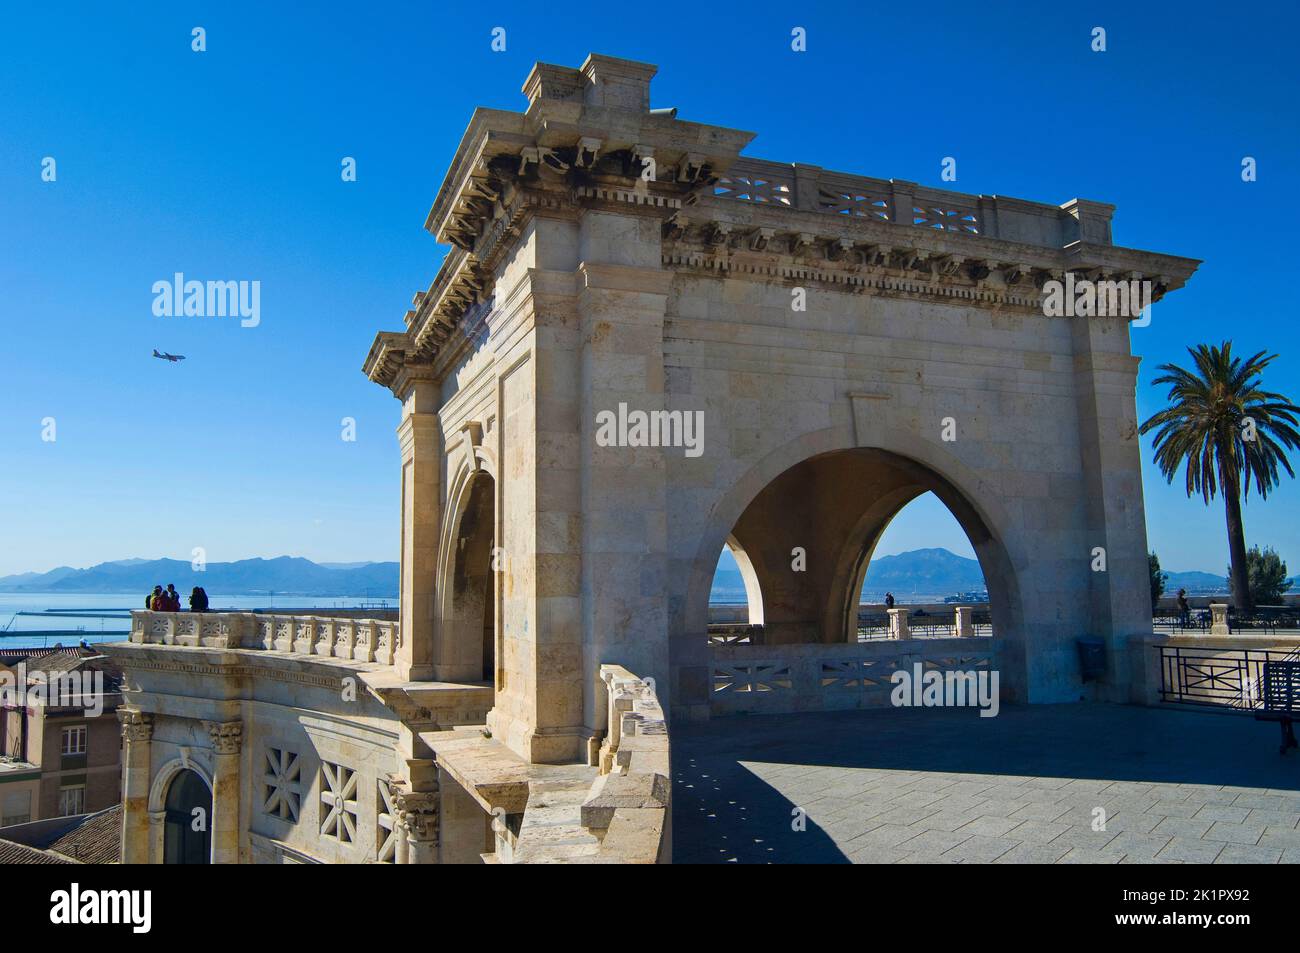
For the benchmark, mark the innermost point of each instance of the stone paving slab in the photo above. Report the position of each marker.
(945, 786)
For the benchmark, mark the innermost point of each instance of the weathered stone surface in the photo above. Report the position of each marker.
(644, 346)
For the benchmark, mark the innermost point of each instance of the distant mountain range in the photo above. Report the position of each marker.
(934, 572)
(287, 575)
(938, 572)
(1195, 582)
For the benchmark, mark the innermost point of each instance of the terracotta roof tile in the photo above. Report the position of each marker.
(11, 853)
(96, 840)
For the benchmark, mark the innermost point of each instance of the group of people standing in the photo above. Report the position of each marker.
(169, 600)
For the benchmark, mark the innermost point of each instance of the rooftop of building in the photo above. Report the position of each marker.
(84, 839)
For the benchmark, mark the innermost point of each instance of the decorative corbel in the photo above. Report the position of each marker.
(911, 258)
(839, 250)
(675, 228)
(588, 152)
(759, 238)
(552, 160)
(641, 156)
(472, 431)
(879, 254)
(692, 168)
(946, 266)
(528, 155)
(799, 241)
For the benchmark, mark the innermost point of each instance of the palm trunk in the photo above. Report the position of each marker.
(1237, 549)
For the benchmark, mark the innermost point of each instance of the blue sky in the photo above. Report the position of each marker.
(225, 165)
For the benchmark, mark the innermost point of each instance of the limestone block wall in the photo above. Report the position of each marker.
(778, 386)
(607, 257)
(298, 758)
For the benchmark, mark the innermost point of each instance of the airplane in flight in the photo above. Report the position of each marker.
(168, 357)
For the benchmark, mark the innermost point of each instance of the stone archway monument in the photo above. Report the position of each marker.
(652, 344)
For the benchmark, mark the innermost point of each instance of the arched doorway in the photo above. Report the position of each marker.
(469, 620)
(187, 830)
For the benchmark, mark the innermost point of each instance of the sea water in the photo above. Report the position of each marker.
(15, 629)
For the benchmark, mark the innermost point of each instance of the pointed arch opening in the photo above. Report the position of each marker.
(467, 644)
(187, 823)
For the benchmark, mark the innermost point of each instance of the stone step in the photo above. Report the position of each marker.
(552, 830)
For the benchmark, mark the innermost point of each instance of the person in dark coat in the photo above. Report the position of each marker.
(198, 600)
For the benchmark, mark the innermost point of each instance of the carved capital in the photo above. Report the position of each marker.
(417, 813)
(136, 725)
(226, 736)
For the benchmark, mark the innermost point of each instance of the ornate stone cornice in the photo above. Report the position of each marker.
(862, 255)
(588, 140)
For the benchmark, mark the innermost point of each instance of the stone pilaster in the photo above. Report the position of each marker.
(157, 836)
(227, 742)
(1105, 378)
(420, 437)
(621, 305)
(137, 735)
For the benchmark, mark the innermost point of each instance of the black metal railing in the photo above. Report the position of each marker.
(1224, 678)
(1198, 621)
(1264, 619)
(924, 625)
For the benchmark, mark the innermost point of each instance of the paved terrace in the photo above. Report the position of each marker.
(945, 786)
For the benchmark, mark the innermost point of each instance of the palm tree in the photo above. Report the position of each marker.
(1230, 433)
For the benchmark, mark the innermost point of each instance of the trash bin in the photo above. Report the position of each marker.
(1092, 658)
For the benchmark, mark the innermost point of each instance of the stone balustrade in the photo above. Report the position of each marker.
(629, 807)
(900, 202)
(831, 676)
(346, 637)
